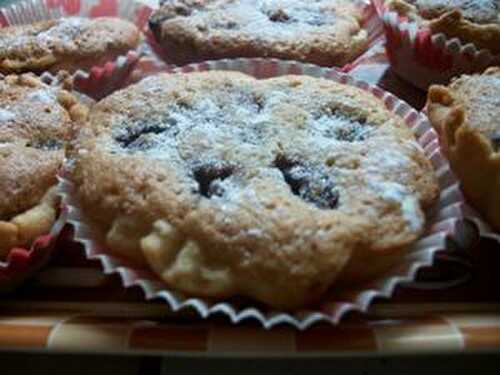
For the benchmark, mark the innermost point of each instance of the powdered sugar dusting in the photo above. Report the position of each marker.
(340, 127)
(270, 18)
(391, 160)
(409, 205)
(25, 109)
(6, 115)
(65, 30)
(218, 143)
(45, 96)
(239, 121)
(60, 35)
(481, 97)
(212, 121)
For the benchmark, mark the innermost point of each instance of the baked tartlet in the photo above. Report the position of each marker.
(471, 21)
(272, 189)
(466, 115)
(323, 32)
(69, 44)
(35, 122)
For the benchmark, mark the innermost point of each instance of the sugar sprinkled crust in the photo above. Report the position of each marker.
(227, 185)
(478, 11)
(466, 115)
(471, 21)
(324, 32)
(69, 43)
(35, 122)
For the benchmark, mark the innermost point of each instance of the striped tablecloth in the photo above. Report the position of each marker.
(63, 330)
(72, 306)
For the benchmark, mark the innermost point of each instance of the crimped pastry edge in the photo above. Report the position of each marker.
(483, 36)
(459, 140)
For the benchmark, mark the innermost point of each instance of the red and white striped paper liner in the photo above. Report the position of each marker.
(443, 222)
(21, 263)
(30, 11)
(422, 57)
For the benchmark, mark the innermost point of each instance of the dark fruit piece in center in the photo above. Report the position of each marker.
(309, 183)
(279, 15)
(209, 178)
(495, 141)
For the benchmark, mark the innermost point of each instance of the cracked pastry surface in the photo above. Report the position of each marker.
(69, 44)
(471, 21)
(227, 185)
(323, 32)
(35, 122)
(466, 116)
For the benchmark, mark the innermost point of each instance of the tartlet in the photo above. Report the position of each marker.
(476, 22)
(274, 189)
(466, 115)
(36, 121)
(69, 44)
(324, 32)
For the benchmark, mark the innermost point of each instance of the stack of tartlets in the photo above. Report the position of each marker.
(220, 184)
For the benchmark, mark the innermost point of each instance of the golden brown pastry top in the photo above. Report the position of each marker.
(69, 43)
(476, 98)
(480, 97)
(324, 32)
(35, 122)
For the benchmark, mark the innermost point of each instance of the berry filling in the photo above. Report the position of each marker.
(495, 141)
(140, 137)
(46, 144)
(209, 178)
(311, 184)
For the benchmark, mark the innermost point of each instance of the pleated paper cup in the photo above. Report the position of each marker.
(23, 262)
(444, 220)
(485, 230)
(29, 11)
(422, 57)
